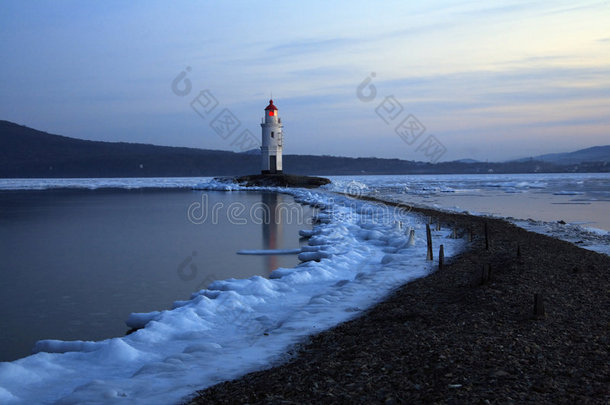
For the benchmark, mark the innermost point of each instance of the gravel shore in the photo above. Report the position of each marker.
(464, 334)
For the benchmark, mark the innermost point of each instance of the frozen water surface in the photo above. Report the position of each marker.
(538, 202)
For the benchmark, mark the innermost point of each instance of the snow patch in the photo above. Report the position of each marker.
(565, 192)
(594, 239)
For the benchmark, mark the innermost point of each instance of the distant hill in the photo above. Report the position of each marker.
(252, 152)
(26, 152)
(594, 154)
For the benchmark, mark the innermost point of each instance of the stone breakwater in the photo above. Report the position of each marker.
(470, 333)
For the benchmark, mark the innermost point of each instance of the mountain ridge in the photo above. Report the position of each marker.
(591, 154)
(27, 152)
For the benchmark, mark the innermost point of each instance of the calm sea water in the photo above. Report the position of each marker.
(76, 263)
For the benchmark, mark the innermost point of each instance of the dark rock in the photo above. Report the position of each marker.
(281, 180)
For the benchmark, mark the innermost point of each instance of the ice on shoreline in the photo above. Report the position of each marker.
(427, 189)
(237, 326)
(597, 240)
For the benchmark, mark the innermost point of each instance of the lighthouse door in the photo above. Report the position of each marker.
(272, 164)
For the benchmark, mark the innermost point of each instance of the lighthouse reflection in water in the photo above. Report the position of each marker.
(278, 213)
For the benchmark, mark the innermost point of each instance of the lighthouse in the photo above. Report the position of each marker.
(272, 141)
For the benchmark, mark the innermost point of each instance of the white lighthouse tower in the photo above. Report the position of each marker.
(272, 141)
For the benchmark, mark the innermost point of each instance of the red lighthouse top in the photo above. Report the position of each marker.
(271, 106)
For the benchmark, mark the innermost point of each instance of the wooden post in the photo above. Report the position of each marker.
(429, 256)
(441, 257)
(454, 234)
(411, 241)
(486, 236)
(470, 234)
(485, 273)
(438, 225)
(518, 250)
(538, 305)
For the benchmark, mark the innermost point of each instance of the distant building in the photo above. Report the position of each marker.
(272, 141)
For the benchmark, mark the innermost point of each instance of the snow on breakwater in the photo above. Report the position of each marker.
(236, 326)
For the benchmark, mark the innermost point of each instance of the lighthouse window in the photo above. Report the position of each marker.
(272, 134)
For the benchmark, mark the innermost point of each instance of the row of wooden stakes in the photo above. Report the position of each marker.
(538, 310)
(455, 235)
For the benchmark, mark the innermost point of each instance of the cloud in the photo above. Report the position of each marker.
(602, 5)
(575, 122)
(309, 45)
(416, 30)
(320, 45)
(524, 99)
(530, 60)
(500, 10)
(549, 94)
(325, 71)
(563, 81)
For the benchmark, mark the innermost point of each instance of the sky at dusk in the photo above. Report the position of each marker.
(489, 80)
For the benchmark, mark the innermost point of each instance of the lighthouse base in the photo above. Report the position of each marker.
(280, 180)
(271, 172)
